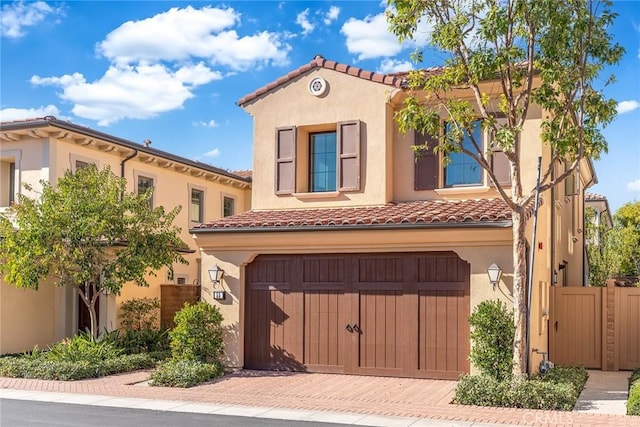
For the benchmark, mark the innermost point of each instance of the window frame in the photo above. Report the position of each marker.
(223, 198)
(202, 207)
(137, 174)
(465, 156)
(311, 161)
(74, 158)
(12, 157)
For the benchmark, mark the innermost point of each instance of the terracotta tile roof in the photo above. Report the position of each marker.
(418, 213)
(593, 197)
(319, 61)
(243, 173)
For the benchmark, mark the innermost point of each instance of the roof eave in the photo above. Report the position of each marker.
(357, 227)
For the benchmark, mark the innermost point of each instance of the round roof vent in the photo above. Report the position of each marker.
(317, 86)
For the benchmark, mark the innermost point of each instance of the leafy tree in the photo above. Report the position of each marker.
(547, 53)
(627, 238)
(604, 259)
(89, 234)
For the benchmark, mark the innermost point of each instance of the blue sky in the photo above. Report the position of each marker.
(171, 71)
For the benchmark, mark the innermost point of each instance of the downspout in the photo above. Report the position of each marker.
(125, 160)
(531, 260)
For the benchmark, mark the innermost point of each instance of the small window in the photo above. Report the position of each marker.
(12, 183)
(197, 206)
(322, 161)
(228, 206)
(144, 184)
(181, 280)
(462, 169)
(80, 164)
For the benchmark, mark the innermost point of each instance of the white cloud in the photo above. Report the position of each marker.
(212, 154)
(627, 106)
(210, 124)
(370, 38)
(634, 185)
(394, 66)
(18, 15)
(302, 19)
(125, 91)
(331, 15)
(183, 34)
(11, 114)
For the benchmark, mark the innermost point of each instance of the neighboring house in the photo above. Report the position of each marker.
(43, 149)
(600, 206)
(358, 257)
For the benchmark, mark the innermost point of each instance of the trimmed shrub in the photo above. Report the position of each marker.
(558, 390)
(140, 313)
(635, 376)
(141, 340)
(537, 394)
(492, 336)
(576, 376)
(198, 334)
(633, 402)
(62, 370)
(184, 373)
(481, 390)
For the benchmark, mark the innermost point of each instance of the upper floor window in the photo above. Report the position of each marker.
(228, 206)
(80, 164)
(463, 169)
(330, 156)
(144, 184)
(9, 177)
(322, 161)
(196, 212)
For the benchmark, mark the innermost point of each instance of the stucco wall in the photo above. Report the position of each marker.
(54, 314)
(232, 252)
(348, 98)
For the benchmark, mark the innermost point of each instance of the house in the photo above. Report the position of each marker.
(357, 257)
(43, 149)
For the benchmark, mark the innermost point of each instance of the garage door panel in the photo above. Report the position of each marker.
(379, 329)
(325, 319)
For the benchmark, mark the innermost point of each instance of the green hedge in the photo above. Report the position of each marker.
(633, 402)
(23, 367)
(558, 390)
(184, 373)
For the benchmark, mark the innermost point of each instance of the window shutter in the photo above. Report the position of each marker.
(349, 156)
(285, 169)
(426, 164)
(501, 167)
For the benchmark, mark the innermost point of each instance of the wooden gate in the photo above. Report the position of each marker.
(595, 327)
(576, 326)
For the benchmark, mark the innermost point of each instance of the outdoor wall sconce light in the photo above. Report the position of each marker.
(216, 274)
(494, 272)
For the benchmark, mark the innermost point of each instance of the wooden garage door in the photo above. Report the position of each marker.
(399, 314)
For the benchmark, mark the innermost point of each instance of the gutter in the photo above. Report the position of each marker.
(359, 227)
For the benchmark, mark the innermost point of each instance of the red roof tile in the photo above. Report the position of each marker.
(594, 197)
(418, 213)
(320, 62)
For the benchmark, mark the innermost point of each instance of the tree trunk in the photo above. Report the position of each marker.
(94, 320)
(519, 295)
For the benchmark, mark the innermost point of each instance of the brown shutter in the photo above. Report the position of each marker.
(285, 160)
(426, 164)
(349, 156)
(501, 167)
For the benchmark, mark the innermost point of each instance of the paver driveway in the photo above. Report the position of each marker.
(400, 397)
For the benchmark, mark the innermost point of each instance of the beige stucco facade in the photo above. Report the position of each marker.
(387, 175)
(46, 151)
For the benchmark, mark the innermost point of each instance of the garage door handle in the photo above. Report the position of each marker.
(356, 328)
(349, 328)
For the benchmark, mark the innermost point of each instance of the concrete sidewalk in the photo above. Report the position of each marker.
(605, 393)
(345, 399)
